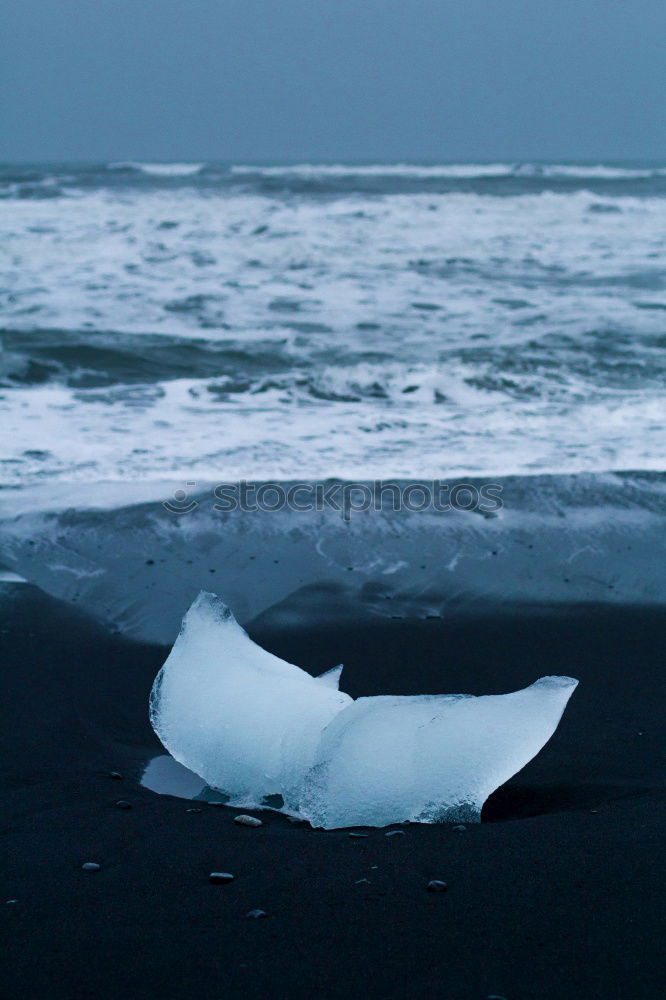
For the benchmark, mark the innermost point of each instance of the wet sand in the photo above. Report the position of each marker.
(555, 895)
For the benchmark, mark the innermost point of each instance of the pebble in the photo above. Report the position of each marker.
(437, 886)
(91, 866)
(256, 914)
(116, 775)
(220, 878)
(395, 833)
(123, 804)
(244, 820)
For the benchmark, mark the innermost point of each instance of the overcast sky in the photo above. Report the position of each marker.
(343, 79)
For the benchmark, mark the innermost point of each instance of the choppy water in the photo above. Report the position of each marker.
(202, 321)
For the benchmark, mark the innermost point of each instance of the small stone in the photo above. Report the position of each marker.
(220, 878)
(437, 886)
(460, 828)
(244, 820)
(194, 810)
(123, 804)
(91, 866)
(358, 836)
(116, 775)
(256, 914)
(395, 833)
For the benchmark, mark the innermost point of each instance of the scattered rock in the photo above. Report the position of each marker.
(123, 804)
(435, 885)
(220, 878)
(256, 914)
(395, 833)
(91, 866)
(244, 820)
(116, 775)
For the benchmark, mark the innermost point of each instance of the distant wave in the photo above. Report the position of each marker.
(453, 170)
(159, 169)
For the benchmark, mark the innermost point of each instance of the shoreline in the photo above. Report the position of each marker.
(138, 567)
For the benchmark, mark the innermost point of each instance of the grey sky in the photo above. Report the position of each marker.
(344, 79)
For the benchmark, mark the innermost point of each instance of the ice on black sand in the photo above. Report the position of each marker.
(91, 866)
(256, 914)
(436, 885)
(256, 726)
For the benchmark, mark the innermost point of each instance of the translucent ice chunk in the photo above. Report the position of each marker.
(244, 720)
(389, 759)
(252, 726)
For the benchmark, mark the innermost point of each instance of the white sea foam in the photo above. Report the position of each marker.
(411, 334)
(160, 169)
(472, 171)
(253, 726)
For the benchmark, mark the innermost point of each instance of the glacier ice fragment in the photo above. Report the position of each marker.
(253, 726)
(244, 720)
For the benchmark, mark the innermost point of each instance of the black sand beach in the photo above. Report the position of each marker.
(555, 895)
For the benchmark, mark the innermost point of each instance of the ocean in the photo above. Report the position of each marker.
(215, 322)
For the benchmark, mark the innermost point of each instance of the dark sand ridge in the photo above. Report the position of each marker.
(547, 899)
